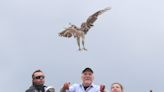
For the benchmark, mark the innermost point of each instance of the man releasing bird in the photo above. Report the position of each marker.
(80, 32)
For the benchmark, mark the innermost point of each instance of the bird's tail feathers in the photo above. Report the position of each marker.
(106, 9)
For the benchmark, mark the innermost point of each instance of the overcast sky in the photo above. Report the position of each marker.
(126, 44)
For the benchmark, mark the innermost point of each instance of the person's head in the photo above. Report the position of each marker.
(87, 76)
(38, 77)
(116, 87)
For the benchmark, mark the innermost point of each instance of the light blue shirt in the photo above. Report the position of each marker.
(80, 88)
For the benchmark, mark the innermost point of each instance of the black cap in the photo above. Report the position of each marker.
(87, 69)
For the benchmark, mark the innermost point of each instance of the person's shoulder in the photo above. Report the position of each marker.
(31, 89)
(75, 85)
(96, 86)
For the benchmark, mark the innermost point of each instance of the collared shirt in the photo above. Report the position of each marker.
(80, 88)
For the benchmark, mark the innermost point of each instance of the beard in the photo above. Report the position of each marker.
(39, 87)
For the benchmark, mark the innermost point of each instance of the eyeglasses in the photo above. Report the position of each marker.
(39, 77)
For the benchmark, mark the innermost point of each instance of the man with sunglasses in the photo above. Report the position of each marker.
(38, 80)
(86, 85)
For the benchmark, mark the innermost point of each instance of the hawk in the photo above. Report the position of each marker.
(80, 32)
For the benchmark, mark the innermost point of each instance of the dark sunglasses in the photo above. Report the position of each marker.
(39, 77)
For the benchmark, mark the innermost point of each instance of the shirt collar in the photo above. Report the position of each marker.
(81, 85)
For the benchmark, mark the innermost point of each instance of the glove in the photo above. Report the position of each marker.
(50, 89)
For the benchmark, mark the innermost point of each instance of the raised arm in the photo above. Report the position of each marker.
(65, 87)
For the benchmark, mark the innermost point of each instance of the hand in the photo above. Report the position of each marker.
(66, 85)
(102, 88)
(50, 89)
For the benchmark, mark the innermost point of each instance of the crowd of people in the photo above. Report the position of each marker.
(87, 85)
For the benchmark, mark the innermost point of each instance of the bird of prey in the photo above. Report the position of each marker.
(80, 32)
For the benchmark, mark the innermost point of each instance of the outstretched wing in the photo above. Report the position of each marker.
(68, 32)
(89, 23)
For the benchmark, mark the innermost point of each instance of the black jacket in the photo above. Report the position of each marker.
(35, 89)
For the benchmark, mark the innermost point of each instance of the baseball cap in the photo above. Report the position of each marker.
(87, 69)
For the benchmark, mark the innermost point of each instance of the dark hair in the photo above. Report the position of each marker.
(35, 72)
(118, 84)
